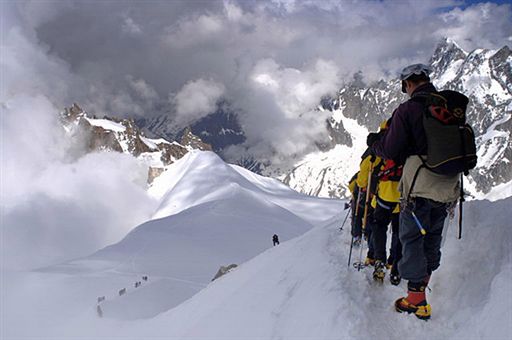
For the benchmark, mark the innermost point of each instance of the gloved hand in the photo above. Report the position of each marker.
(372, 138)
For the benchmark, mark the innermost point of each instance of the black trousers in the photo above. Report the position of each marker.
(357, 219)
(380, 219)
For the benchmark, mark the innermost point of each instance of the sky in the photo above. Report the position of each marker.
(272, 60)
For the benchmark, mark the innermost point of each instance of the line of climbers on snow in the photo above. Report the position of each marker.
(121, 292)
(411, 176)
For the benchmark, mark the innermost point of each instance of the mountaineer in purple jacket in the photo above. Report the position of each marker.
(424, 206)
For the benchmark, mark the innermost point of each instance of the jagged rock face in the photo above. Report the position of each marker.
(446, 54)
(484, 76)
(171, 152)
(193, 141)
(501, 67)
(99, 138)
(337, 133)
(154, 173)
(123, 135)
(223, 270)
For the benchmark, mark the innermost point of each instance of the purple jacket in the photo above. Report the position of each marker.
(405, 136)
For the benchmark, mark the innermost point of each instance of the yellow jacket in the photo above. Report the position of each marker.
(364, 170)
(352, 184)
(387, 191)
(374, 200)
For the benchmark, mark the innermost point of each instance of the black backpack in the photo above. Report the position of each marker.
(451, 147)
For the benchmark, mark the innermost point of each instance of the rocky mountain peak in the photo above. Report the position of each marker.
(501, 67)
(73, 113)
(89, 134)
(190, 140)
(445, 54)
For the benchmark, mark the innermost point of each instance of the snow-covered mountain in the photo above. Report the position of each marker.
(214, 214)
(485, 76)
(211, 214)
(89, 134)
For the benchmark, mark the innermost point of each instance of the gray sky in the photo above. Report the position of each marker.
(272, 59)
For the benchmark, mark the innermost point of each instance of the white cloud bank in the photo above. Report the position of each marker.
(196, 99)
(55, 207)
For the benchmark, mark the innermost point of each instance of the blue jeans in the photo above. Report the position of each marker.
(421, 254)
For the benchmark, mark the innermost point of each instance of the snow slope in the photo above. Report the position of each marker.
(301, 289)
(212, 214)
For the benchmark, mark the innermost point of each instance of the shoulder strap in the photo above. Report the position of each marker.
(420, 97)
(423, 165)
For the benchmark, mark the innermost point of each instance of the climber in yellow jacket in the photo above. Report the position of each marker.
(356, 214)
(366, 168)
(385, 210)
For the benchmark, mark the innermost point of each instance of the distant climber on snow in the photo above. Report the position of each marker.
(275, 240)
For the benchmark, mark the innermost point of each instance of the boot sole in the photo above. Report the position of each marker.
(419, 316)
(395, 282)
(379, 277)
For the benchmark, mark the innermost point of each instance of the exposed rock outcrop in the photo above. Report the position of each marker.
(123, 135)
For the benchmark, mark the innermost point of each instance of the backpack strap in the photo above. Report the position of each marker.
(422, 98)
(375, 175)
(423, 165)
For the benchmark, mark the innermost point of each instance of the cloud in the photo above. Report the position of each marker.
(131, 27)
(232, 11)
(121, 55)
(281, 117)
(294, 90)
(485, 25)
(28, 68)
(141, 88)
(73, 209)
(192, 31)
(196, 99)
(55, 206)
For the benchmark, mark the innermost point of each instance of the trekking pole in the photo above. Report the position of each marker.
(365, 216)
(461, 200)
(355, 217)
(350, 253)
(418, 223)
(345, 220)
